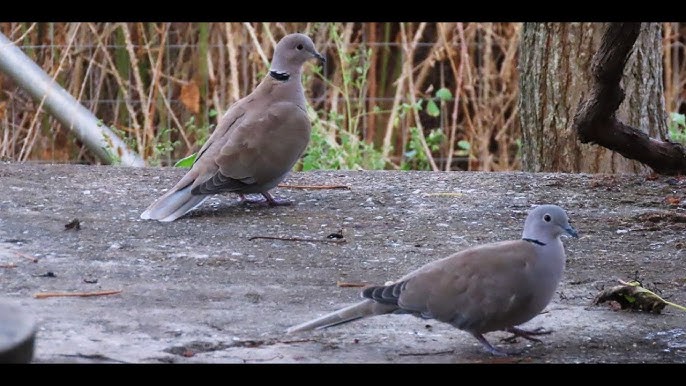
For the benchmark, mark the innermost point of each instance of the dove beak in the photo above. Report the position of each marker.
(572, 232)
(319, 57)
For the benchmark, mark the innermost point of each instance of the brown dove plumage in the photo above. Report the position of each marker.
(485, 288)
(257, 141)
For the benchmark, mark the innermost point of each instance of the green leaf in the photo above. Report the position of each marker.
(464, 144)
(213, 113)
(432, 109)
(411, 154)
(186, 162)
(444, 94)
(435, 138)
(679, 119)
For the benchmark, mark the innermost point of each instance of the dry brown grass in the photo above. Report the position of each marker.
(158, 82)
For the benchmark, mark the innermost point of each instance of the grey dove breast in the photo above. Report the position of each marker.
(485, 288)
(256, 143)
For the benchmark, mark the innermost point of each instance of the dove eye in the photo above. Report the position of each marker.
(546, 218)
(299, 47)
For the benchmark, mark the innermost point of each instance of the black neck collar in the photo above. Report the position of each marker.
(280, 76)
(533, 241)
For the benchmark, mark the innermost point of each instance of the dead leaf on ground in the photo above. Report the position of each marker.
(662, 216)
(673, 200)
(631, 295)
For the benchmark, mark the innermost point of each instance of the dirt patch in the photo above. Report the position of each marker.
(194, 289)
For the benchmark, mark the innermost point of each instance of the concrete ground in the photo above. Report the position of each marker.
(201, 290)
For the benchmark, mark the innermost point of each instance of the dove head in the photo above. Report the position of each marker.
(292, 52)
(546, 223)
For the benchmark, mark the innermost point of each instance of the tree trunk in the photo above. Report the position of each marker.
(555, 74)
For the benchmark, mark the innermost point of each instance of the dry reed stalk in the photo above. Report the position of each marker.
(483, 111)
(28, 141)
(370, 133)
(256, 44)
(221, 70)
(156, 84)
(343, 45)
(471, 95)
(156, 65)
(233, 64)
(84, 83)
(147, 134)
(404, 132)
(400, 88)
(508, 82)
(120, 82)
(428, 64)
(213, 82)
(284, 32)
(486, 116)
(24, 35)
(268, 32)
(409, 53)
(458, 73)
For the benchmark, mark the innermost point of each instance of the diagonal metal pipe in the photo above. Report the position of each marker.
(98, 138)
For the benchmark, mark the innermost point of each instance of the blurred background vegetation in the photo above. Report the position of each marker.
(420, 96)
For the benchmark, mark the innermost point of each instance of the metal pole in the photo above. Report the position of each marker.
(99, 139)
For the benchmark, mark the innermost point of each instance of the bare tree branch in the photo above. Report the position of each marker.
(596, 121)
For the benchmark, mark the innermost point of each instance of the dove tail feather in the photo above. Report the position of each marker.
(356, 311)
(173, 205)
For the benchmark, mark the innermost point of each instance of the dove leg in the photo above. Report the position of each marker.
(245, 200)
(268, 200)
(275, 201)
(492, 350)
(526, 334)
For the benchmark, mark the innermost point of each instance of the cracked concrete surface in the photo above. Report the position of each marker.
(199, 290)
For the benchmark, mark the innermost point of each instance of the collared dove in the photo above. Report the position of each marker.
(257, 141)
(485, 288)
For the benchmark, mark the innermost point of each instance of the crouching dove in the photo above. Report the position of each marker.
(257, 141)
(485, 288)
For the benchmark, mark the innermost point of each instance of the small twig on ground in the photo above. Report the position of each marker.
(333, 241)
(99, 357)
(449, 194)
(343, 284)
(296, 341)
(314, 187)
(44, 295)
(421, 354)
(28, 257)
(10, 265)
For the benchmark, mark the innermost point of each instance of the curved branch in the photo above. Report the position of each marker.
(595, 120)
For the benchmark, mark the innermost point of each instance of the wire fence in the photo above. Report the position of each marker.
(379, 101)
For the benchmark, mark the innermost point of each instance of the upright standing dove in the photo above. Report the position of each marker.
(491, 287)
(257, 141)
